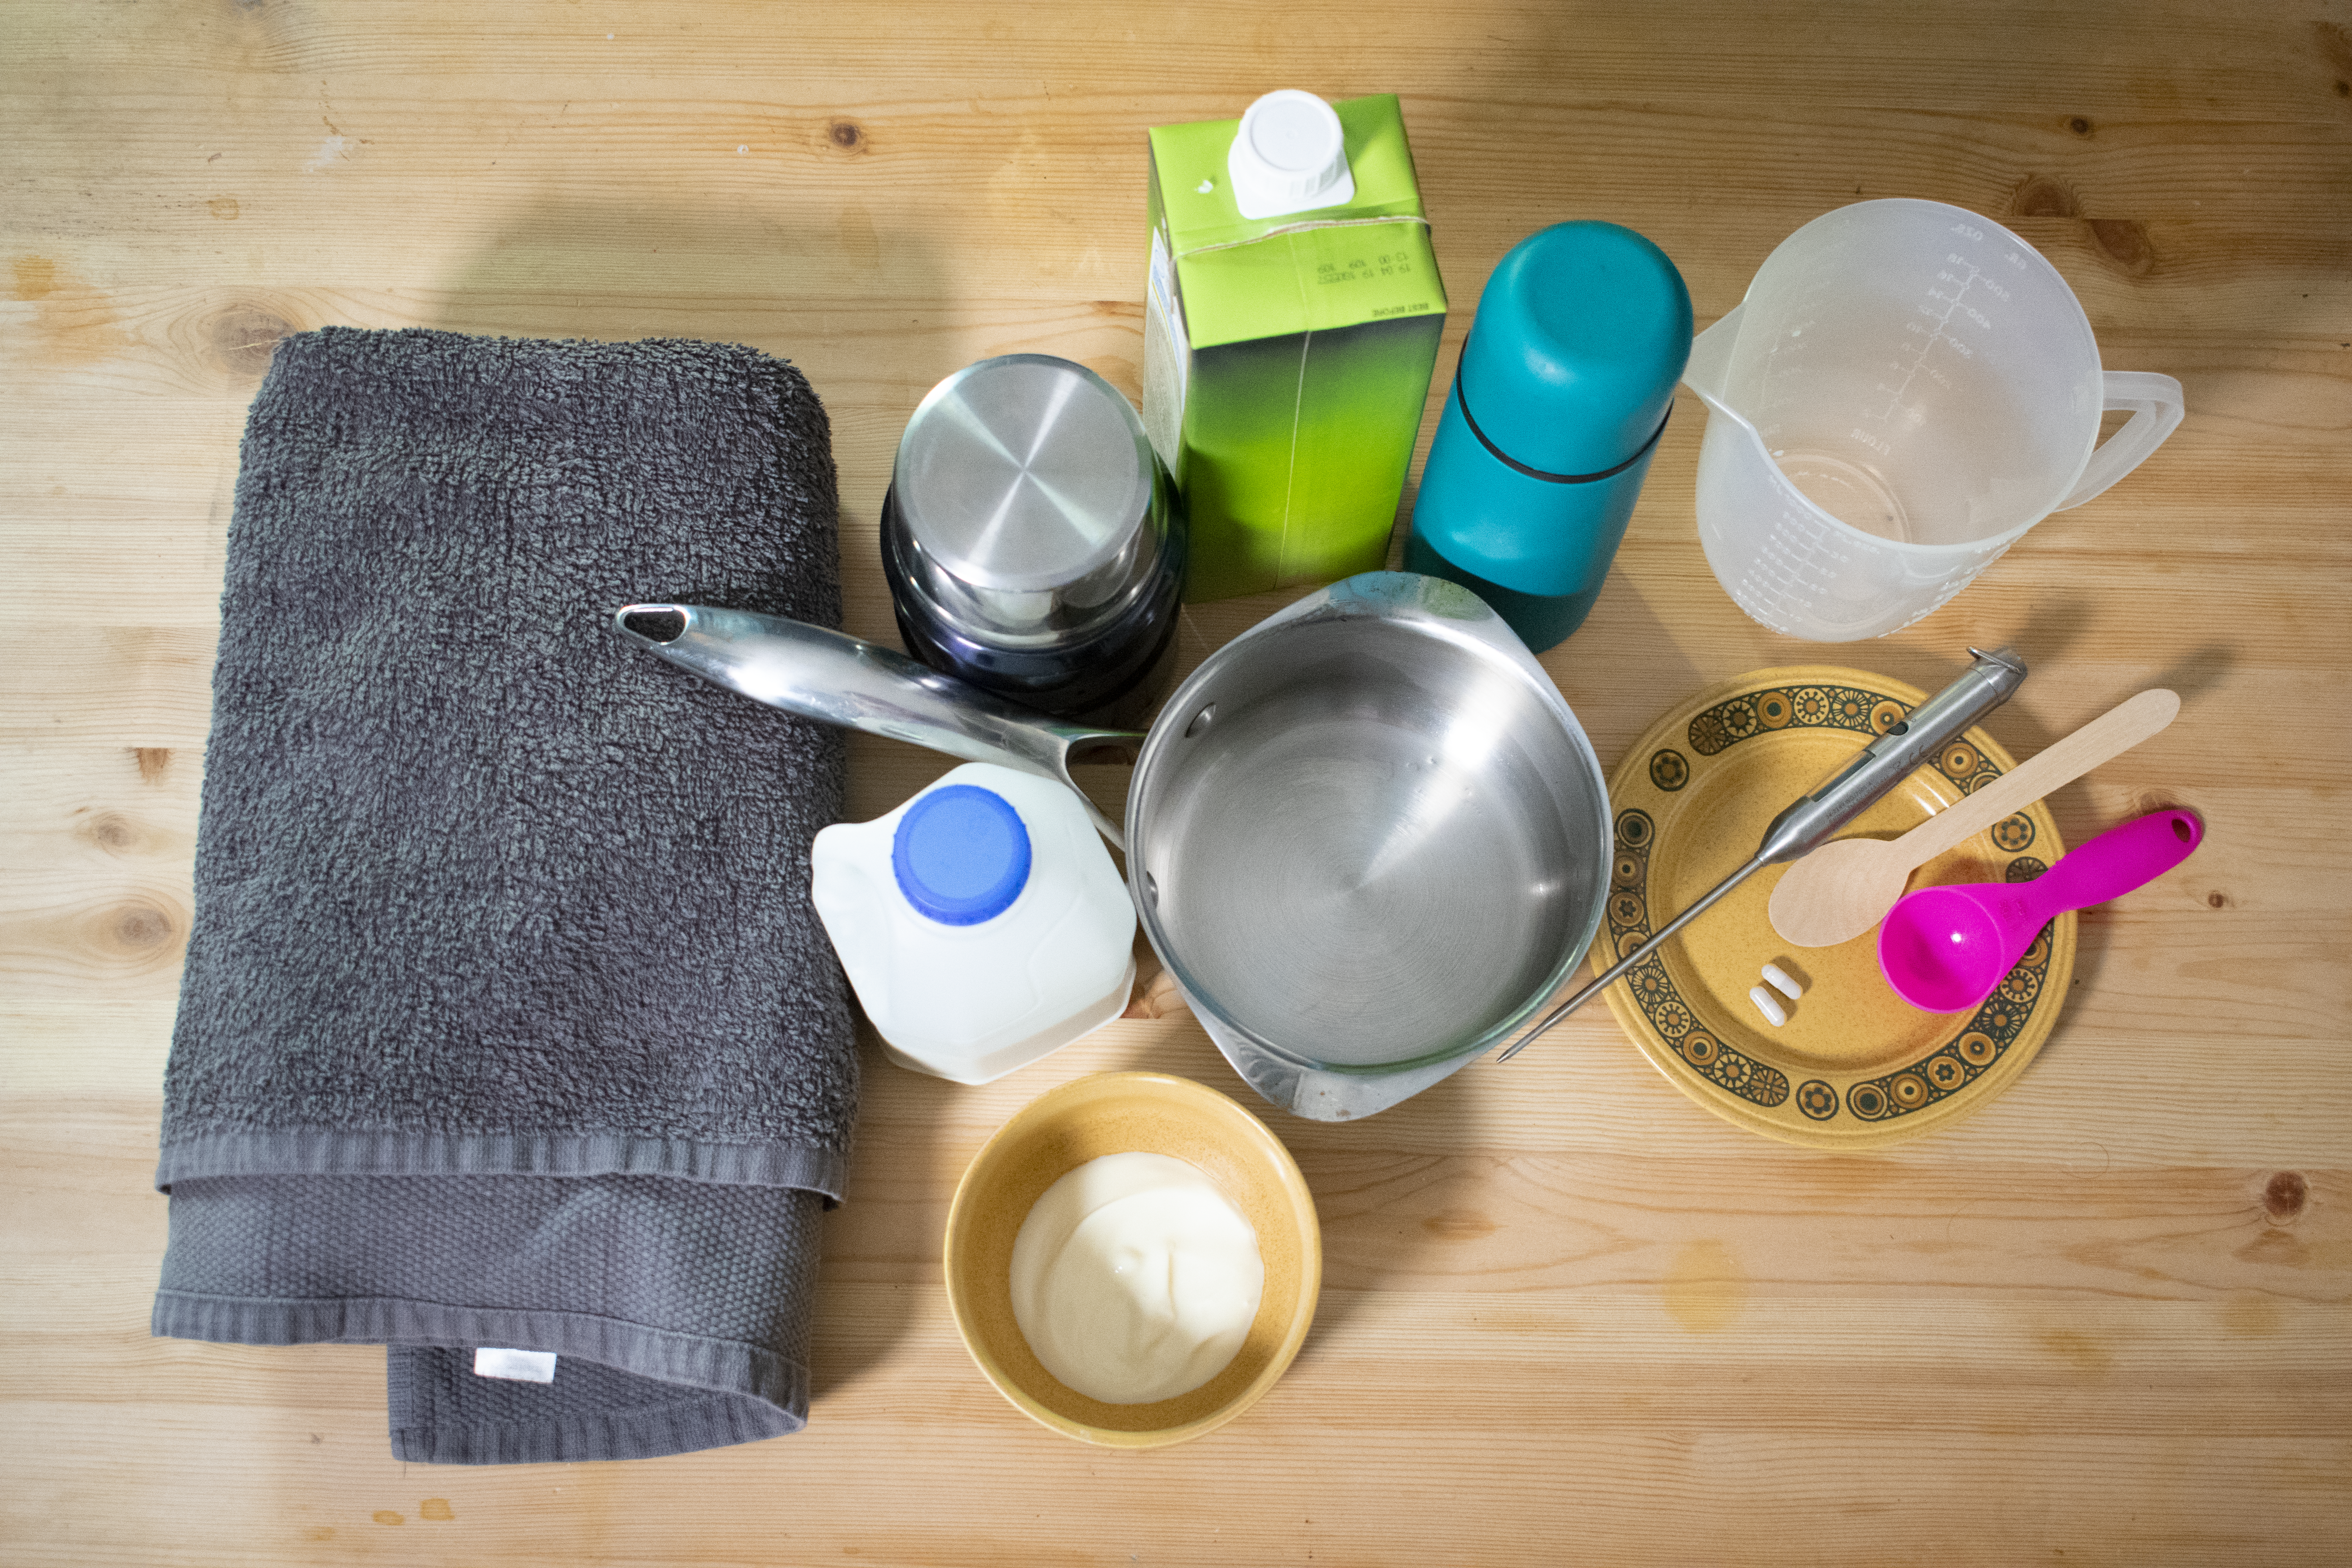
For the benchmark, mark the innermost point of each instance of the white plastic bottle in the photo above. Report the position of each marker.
(982, 924)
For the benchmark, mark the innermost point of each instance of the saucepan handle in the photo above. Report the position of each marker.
(837, 680)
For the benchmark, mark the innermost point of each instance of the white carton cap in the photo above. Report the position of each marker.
(1289, 156)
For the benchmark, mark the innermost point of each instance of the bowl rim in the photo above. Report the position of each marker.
(1257, 1134)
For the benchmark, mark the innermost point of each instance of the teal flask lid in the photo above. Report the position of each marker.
(1573, 360)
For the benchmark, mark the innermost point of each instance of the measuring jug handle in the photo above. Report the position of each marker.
(2156, 408)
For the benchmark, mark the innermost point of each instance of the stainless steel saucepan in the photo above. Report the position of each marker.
(1367, 836)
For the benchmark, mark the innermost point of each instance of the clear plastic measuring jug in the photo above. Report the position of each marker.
(1906, 390)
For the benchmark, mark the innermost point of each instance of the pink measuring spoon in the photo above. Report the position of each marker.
(1943, 950)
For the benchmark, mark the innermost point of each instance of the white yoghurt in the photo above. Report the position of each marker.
(1135, 1278)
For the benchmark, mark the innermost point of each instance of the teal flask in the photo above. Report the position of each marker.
(1558, 400)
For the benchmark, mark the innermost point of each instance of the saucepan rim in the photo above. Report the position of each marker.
(1416, 606)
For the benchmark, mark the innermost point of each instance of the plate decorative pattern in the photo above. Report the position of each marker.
(1653, 988)
(1753, 713)
(1834, 1086)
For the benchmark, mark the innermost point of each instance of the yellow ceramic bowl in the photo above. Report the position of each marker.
(1117, 1113)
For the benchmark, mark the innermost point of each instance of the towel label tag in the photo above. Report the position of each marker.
(516, 1367)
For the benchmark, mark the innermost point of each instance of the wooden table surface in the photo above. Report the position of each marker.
(1566, 1315)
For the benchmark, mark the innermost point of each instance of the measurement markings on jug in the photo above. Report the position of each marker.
(1953, 303)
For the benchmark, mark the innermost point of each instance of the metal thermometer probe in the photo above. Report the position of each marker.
(1886, 761)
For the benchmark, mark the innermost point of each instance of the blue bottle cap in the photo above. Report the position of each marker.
(1579, 338)
(961, 855)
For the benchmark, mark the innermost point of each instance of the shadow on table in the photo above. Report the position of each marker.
(840, 300)
(1624, 650)
(2196, 676)
(1392, 1192)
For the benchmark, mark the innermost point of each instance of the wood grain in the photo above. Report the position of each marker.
(1568, 1316)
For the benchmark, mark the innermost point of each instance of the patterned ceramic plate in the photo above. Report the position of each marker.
(1854, 1067)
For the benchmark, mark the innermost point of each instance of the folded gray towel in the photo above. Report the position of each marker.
(507, 1020)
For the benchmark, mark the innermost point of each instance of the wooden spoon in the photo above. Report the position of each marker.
(1846, 886)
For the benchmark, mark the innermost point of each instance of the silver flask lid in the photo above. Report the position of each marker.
(1023, 475)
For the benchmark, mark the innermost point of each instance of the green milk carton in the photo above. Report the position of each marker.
(1292, 326)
